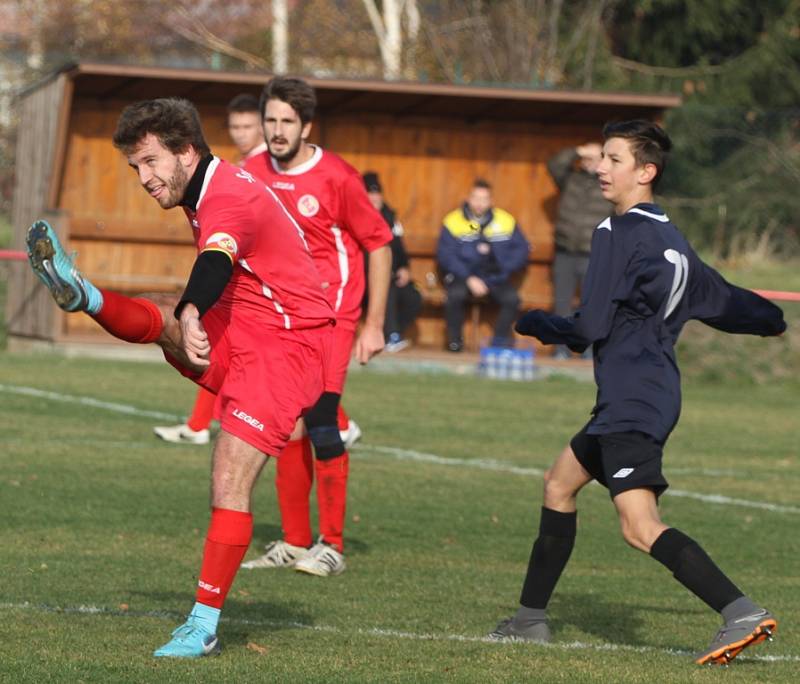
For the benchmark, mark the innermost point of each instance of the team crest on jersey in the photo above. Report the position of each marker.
(224, 243)
(308, 205)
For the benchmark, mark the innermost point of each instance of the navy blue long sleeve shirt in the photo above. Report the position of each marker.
(644, 282)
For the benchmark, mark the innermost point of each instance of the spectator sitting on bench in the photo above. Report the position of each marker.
(480, 247)
(404, 302)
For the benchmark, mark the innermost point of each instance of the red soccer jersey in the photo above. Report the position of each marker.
(274, 281)
(326, 196)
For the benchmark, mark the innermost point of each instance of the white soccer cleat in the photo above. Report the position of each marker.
(351, 435)
(278, 554)
(321, 560)
(182, 434)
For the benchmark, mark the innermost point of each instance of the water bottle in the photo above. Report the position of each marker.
(528, 368)
(516, 366)
(491, 363)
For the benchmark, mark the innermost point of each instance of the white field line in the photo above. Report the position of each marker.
(500, 466)
(400, 454)
(368, 632)
(86, 401)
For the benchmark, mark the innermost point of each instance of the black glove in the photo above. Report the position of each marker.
(528, 323)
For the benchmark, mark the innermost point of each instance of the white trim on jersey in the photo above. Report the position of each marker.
(212, 168)
(663, 218)
(258, 149)
(297, 170)
(268, 294)
(344, 265)
(290, 217)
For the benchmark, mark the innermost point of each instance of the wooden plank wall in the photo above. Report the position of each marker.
(126, 242)
(427, 167)
(29, 309)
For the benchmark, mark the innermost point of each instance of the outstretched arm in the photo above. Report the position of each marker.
(592, 321)
(721, 305)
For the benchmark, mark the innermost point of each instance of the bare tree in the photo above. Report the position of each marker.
(388, 27)
(280, 36)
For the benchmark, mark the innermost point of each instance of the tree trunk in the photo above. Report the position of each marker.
(280, 36)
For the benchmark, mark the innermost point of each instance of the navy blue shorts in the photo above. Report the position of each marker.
(621, 460)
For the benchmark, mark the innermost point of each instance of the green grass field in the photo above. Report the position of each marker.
(103, 526)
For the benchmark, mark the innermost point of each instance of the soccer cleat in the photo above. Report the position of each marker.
(351, 435)
(506, 630)
(189, 641)
(736, 635)
(322, 560)
(182, 434)
(57, 271)
(279, 555)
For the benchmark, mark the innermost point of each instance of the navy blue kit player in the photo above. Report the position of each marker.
(643, 283)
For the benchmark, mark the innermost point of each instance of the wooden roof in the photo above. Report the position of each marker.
(341, 96)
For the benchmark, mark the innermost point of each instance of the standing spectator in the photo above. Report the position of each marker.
(480, 247)
(404, 301)
(244, 128)
(326, 197)
(580, 208)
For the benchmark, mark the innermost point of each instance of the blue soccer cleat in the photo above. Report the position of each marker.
(190, 640)
(56, 270)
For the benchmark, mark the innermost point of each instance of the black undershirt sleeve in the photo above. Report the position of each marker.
(210, 274)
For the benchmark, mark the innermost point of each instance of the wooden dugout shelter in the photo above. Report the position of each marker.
(427, 142)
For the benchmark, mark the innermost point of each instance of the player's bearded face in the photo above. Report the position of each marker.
(160, 172)
(283, 130)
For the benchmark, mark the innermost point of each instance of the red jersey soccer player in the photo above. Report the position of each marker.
(253, 325)
(327, 198)
(244, 129)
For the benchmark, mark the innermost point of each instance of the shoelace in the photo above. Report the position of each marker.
(186, 630)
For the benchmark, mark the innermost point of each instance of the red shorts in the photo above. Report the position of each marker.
(264, 378)
(344, 334)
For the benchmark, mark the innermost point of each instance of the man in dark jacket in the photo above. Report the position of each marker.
(404, 301)
(580, 208)
(479, 249)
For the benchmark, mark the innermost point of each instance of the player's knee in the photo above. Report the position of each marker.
(556, 492)
(635, 533)
(322, 427)
(327, 441)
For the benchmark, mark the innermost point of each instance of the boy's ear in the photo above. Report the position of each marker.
(647, 174)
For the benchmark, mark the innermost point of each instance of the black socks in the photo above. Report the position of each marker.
(692, 567)
(549, 556)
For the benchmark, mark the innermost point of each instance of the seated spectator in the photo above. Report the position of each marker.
(404, 301)
(480, 248)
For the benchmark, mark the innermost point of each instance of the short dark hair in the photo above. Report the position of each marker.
(293, 91)
(482, 183)
(648, 142)
(243, 102)
(173, 120)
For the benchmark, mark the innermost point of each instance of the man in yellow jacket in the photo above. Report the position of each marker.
(480, 247)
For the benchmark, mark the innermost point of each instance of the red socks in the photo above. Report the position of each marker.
(342, 419)
(229, 535)
(132, 319)
(293, 484)
(203, 410)
(332, 497)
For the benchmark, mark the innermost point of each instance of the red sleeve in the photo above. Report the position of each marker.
(359, 216)
(227, 226)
